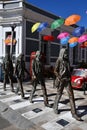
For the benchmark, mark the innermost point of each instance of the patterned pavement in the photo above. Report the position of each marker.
(43, 118)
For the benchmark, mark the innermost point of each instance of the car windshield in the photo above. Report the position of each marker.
(79, 73)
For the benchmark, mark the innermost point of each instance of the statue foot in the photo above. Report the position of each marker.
(47, 105)
(56, 111)
(31, 101)
(4, 89)
(76, 117)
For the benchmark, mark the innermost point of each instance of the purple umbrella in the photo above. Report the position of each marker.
(42, 26)
(78, 31)
(63, 35)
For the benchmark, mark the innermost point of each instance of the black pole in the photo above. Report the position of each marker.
(12, 34)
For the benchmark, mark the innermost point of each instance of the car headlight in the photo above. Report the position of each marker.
(78, 82)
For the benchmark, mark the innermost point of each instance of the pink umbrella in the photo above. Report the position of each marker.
(82, 38)
(63, 35)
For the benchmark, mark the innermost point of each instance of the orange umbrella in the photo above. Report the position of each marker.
(73, 39)
(85, 43)
(72, 19)
(8, 40)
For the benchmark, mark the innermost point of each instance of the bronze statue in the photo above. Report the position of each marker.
(20, 69)
(8, 71)
(38, 77)
(63, 80)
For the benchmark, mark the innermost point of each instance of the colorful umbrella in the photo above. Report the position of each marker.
(78, 31)
(42, 26)
(57, 23)
(34, 27)
(82, 46)
(72, 19)
(85, 43)
(8, 40)
(73, 39)
(64, 41)
(73, 44)
(82, 38)
(48, 38)
(63, 35)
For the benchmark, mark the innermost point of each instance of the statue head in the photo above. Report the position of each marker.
(63, 54)
(21, 56)
(38, 55)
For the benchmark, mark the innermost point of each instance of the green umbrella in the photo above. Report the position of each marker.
(57, 23)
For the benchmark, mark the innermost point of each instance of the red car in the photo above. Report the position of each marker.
(79, 78)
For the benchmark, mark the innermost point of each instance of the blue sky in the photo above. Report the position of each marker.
(64, 8)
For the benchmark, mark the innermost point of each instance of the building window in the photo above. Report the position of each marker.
(10, 5)
(31, 46)
(34, 35)
(8, 45)
(55, 33)
(75, 55)
(83, 54)
(54, 50)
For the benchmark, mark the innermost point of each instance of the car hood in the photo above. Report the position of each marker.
(73, 78)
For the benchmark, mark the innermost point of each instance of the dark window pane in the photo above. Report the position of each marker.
(28, 31)
(55, 50)
(27, 59)
(83, 54)
(55, 33)
(31, 46)
(53, 59)
(75, 55)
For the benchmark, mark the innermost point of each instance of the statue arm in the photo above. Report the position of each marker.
(56, 69)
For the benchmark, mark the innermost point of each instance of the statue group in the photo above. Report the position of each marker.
(62, 78)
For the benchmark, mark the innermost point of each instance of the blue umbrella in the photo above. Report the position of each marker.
(73, 44)
(78, 31)
(42, 26)
(64, 41)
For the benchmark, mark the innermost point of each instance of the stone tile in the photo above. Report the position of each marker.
(62, 122)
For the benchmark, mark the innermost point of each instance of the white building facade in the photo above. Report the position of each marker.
(24, 15)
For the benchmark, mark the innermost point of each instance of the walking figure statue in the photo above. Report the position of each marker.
(38, 77)
(63, 80)
(20, 70)
(8, 71)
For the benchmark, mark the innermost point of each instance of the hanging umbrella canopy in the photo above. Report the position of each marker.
(72, 19)
(73, 44)
(64, 41)
(42, 26)
(73, 39)
(8, 40)
(85, 43)
(48, 38)
(57, 23)
(78, 31)
(82, 46)
(82, 38)
(63, 35)
(34, 27)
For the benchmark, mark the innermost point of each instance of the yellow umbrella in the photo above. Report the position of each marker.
(34, 27)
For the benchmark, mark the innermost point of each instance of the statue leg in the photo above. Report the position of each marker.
(4, 84)
(45, 96)
(33, 90)
(21, 87)
(72, 101)
(11, 83)
(58, 97)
